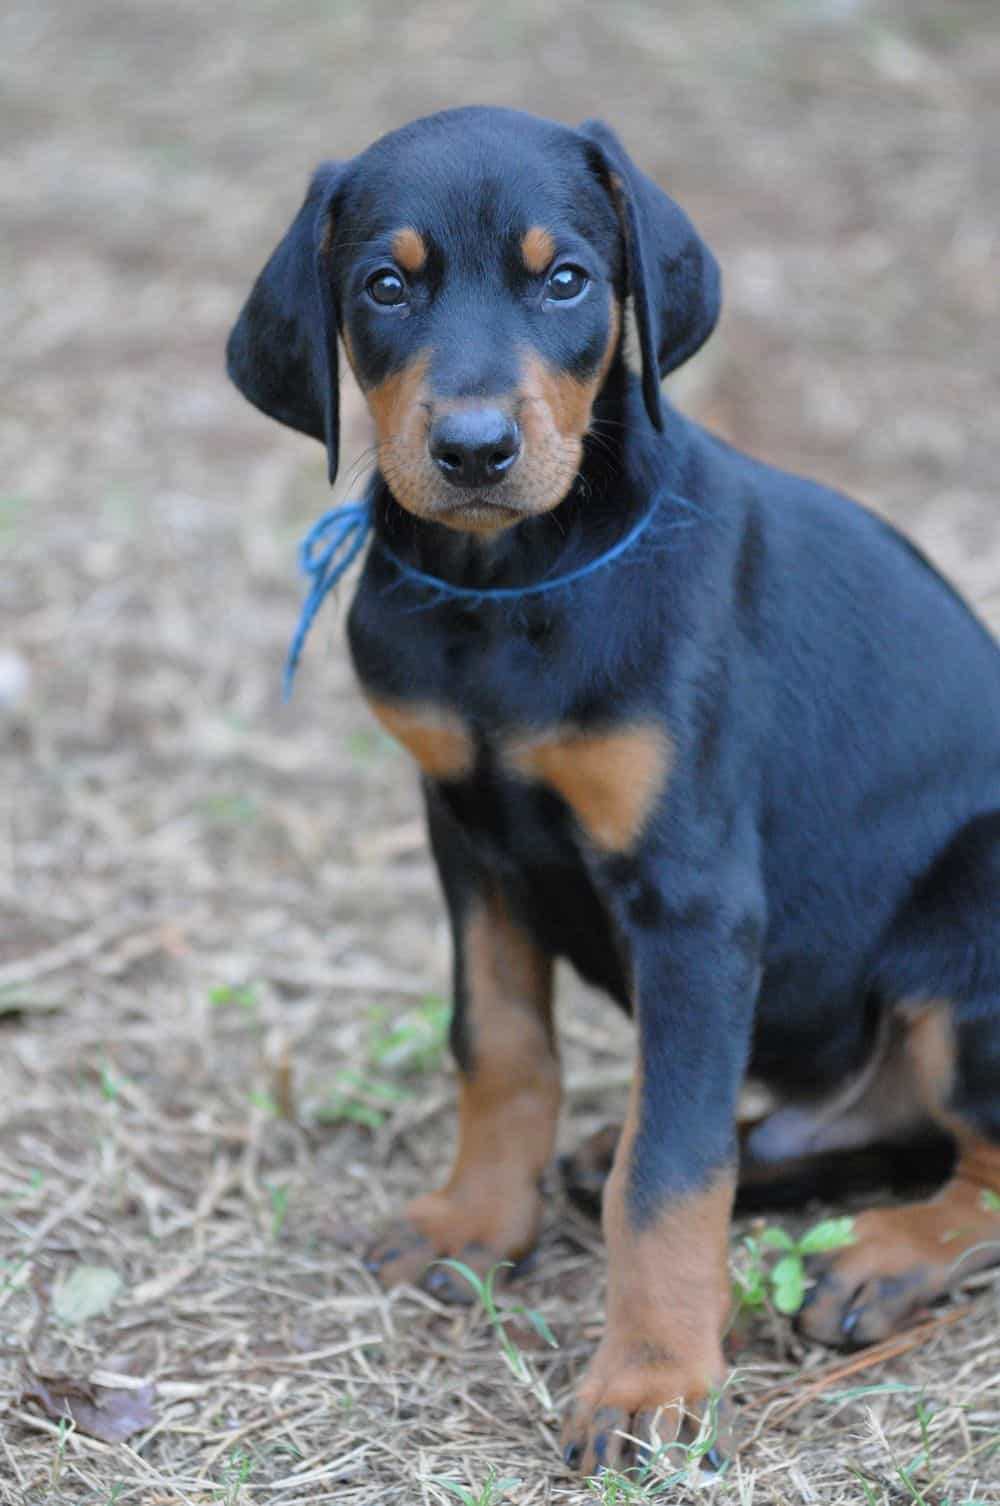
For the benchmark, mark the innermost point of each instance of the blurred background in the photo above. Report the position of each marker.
(207, 897)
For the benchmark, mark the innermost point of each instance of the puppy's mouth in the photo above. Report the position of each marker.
(478, 512)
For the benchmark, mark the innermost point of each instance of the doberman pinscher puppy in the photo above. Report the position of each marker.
(717, 735)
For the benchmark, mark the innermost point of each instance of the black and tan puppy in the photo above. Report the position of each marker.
(714, 733)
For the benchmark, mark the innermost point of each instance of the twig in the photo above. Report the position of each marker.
(888, 1349)
(78, 948)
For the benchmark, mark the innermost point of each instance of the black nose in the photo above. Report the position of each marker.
(475, 446)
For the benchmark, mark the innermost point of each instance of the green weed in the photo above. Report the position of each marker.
(870, 1498)
(760, 1282)
(279, 1207)
(111, 1083)
(360, 1099)
(229, 810)
(516, 1361)
(414, 1041)
(398, 1047)
(242, 996)
(234, 1476)
(264, 1101)
(489, 1493)
(67, 1426)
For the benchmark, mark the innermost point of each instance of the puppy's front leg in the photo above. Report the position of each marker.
(503, 1039)
(668, 1199)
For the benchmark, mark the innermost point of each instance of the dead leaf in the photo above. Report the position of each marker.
(111, 1414)
(86, 1292)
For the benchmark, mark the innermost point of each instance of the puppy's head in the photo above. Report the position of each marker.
(476, 265)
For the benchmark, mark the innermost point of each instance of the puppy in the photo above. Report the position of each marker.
(715, 734)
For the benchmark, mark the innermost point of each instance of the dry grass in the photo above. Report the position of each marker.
(204, 895)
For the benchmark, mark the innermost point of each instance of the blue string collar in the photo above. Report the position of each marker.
(337, 538)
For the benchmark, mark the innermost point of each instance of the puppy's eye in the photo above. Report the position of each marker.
(566, 283)
(386, 288)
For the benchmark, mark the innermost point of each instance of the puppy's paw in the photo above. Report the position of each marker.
(402, 1255)
(903, 1259)
(438, 1228)
(629, 1409)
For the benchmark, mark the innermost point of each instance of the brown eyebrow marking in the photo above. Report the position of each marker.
(409, 249)
(537, 248)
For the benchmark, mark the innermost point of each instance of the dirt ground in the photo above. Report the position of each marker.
(221, 950)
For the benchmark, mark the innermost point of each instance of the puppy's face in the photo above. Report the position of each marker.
(474, 261)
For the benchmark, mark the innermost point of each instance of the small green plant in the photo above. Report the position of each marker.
(612, 1488)
(870, 1497)
(111, 1083)
(516, 1361)
(229, 810)
(67, 1426)
(279, 1207)
(234, 1476)
(647, 1481)
(489, 1493)
(415, 1041)
(243, 996)
(397, 1048)
(758, 1283)
(361, 1099)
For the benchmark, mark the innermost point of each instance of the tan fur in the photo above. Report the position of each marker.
(409, 250)
(881, 1102)
(908, 1255)
(436, 737)
(930, 1047)
(611, 780)
(508, 1103)
(553, 411)
(537, 249)
(667, 1303)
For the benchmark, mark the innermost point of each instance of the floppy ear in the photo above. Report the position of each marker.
(672, 275)
(282, 352)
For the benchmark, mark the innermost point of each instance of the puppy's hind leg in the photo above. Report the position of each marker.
(941, 959)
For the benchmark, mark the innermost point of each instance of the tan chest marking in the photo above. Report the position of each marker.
(610, 780)
(435, 736)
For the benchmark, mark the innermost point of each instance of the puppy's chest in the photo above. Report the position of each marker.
(607, 776)
(494, 717)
